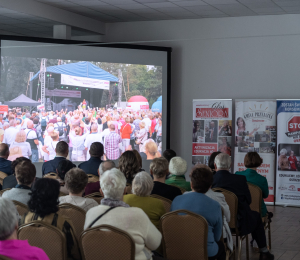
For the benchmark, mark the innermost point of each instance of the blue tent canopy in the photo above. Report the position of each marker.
(157, 106)
(80, 69)
(159, 99)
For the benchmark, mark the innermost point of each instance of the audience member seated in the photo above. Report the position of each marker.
(177, 170)
(199, 203)
(252, 161)
(62, 168)
(10, 246)
(95, 186)
(25, 174)
(129, 165)
(139, 159)
(142, 186)
(211, 162)
(117, 213)
(92, 165)
(219, 197)
(169, 154)
(11, 181)
(62, 150)
(248, 221)
(5, 165)
(159, 168)
(43, 206)
(75, 182)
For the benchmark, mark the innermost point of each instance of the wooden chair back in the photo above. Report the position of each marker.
(2, 191)
(45, 236)
(178, 227)
(51, 175)
(92, 178)
(96, 196)
(106, 242)
(21, 208)
(76, 214)
(256, 197)
(2, 176)
(181, 189)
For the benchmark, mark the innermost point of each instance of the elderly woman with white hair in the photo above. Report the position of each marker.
(10, 246)
(177, 170)
(142, 186)
(283, 161)
(115, 212)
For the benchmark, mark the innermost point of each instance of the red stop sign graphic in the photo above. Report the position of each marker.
(294, 124)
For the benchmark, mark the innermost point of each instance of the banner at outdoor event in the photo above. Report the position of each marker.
(84, 82)
(212, 128)
(288, 152)
(255, 131)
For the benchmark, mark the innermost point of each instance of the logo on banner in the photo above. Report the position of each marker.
(258, 113)
(293, 127)
(217, 110)
(292, 188)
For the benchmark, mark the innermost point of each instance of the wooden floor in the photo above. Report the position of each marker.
(285, 228)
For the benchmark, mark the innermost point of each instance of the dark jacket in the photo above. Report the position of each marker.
(92, 187)
(9, 182)
(51, 165)
(165, 190)
(238, 185)
(91, 166)
(5, 166)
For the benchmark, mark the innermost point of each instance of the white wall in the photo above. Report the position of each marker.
(244, 57)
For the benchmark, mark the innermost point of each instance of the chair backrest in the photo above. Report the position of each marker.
(106, 242)
(21, 208)
(3, 257)
(182, 189)
(184, 235)
(92, 178)
(167, 203)
(51, 175)
(45, 236)
(256, 197)
(2, 191)
(2, 176)
(76, 214)
(232, 202)
(96, 196)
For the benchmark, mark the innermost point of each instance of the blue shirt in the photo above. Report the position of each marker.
(209, 209)
(5, 166)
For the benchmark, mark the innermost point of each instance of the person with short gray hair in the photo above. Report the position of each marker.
(249, 221)
(116, 213)
(159, 169)
(177, 170)
(103, 167)
(10, 246)
(142, 186)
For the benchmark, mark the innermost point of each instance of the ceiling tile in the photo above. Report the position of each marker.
(222, 2)
(190, 3)
(268, 10)
(287, 3)
(132, 6)
(150, 1)
(159, 5)
(113, 2)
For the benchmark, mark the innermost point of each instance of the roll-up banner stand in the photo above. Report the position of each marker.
(255, 131)
(288, 153)
(212, 128)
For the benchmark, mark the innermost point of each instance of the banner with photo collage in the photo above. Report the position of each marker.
(288, 152)
(212, 128)
(255, 131)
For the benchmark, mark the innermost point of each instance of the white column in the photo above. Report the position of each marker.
(62, 32)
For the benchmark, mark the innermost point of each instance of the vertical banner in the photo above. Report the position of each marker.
(255, 131)
(288, 152)
(212, 128)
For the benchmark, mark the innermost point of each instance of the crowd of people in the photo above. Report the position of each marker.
(127, 203)
(35, 135)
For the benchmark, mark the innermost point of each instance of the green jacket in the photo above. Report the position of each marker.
(179, 181)
(260, 181)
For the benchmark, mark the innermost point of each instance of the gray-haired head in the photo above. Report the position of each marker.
(283, 151)
(113, 183)
(27, 115)
(105, 166)
(12, 122)
(94, 128)
(142, 184)
(223, 161)
(9, 218)
(177, 166)
(5, 125)
(159, 167)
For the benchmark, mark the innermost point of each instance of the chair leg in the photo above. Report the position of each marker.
(269, 234)
(240, 249)
(247, 247)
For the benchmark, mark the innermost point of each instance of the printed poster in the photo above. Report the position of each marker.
(212, 128)
(255, 131)
(288, 152)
